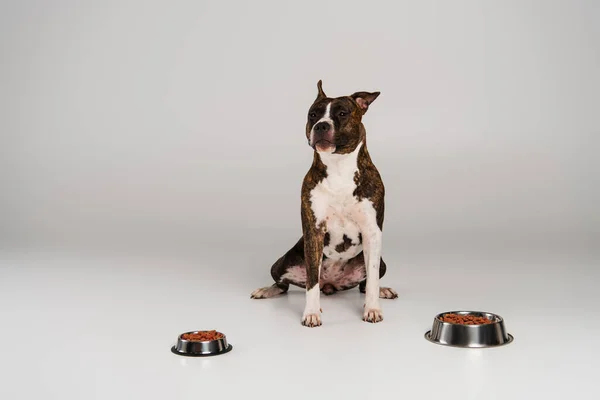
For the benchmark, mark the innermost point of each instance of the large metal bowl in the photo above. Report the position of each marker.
(469, 336)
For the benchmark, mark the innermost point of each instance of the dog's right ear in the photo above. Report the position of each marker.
(321, 94)
(364, 99)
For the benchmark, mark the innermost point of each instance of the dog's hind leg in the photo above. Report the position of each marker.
(384, 292)
(279, 287)
(270, 291)
(288, 269)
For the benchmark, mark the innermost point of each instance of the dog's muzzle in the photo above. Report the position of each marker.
(322, 137)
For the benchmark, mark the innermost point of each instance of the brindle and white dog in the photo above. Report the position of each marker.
(342, 213)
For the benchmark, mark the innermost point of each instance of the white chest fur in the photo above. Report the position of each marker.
(334, 204)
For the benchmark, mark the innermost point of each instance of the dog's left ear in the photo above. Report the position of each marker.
(321, 94)
(364, 99)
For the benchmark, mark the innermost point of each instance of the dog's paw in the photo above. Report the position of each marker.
(373, 315)
(311, 320)
(266, 292)
(387, 293)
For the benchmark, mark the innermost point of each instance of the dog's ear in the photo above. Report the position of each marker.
(364, 99)
(321, 94)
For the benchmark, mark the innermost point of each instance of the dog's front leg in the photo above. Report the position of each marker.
(313, 257)
(372, 238)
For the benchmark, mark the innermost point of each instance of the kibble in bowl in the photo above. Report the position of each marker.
(202, 336)
(466, 319)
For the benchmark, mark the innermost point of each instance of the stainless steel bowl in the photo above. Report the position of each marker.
(469, 336)
(201, 349)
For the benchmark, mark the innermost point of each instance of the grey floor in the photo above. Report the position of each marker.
(90, 326)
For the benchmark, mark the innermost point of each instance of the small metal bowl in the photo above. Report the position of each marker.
(193, 348)
(469, 336)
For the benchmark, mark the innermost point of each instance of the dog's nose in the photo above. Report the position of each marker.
(322, 127)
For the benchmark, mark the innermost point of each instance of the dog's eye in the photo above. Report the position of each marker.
(312, 115)
(342, 114)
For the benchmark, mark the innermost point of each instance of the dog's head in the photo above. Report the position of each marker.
(335, 124)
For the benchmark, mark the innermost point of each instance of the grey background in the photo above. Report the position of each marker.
(151, 156)
(177, 126)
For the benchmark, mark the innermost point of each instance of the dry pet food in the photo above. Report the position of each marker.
(202, 336)
(465, 319)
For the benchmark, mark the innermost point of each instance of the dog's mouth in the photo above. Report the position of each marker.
(324, 146)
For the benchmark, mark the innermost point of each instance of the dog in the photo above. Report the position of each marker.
(342, 211)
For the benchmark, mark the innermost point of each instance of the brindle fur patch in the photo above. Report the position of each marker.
(313, 235)
(370, 185)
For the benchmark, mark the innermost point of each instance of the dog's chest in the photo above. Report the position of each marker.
(334, 205)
